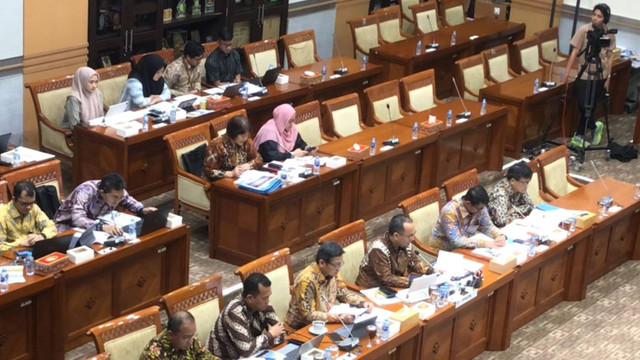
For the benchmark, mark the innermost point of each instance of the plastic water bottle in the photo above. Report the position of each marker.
(414, 131)
(270, 66)
(324, 72)
(245, 91)
(4, 281)
(29, 264)
(316, 165)
(536, 86)
(327, 354)
(363, 67)
(532, 246)
(372, 147)
(419, 47)
(449, 118)
(483, 107)
(132, 229)
(16, 157)
(172, 115)
(145, 123)
(385, 330)
(453, 38)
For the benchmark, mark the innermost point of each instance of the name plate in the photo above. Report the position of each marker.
(463, 299)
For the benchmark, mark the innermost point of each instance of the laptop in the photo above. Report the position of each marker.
(358, 329)
(62, 243)
(4, 142)
(116, 109)
(187, 105)
(269, 77)
(232, 90)
(293, 352)
(419, 289)
(153, 221)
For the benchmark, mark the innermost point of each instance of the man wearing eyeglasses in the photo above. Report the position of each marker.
(461, 219)
(509, 199)
(223, 65)
(318, 287)
(22, 223)
(390, 259)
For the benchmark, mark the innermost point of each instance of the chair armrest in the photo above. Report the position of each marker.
(512, 73)
(551, 193)
(327, 137)
(490, 82)
(544, 196)
(424, 248)
(318, 58)
(101, 356)
(438, 102)
(206, 184)
(574, 182)
(67, 133)
(352, 287)
(405, 35)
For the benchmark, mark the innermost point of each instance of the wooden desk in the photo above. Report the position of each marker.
(388, 177)
(143, 160)
(400, 59)
(247, 225)
(475, 143)
(354, 81)
(8, 169)
(529, 114)
(51, 314)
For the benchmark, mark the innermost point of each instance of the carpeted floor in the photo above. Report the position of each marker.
(603, 326)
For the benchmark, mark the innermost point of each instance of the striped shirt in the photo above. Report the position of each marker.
(240, 332)
(134, 95)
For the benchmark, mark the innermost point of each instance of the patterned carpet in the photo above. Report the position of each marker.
(603, 326)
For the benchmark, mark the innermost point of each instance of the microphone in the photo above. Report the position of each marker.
(264, 89)
(342, 70)
(600, 177)
(394, 140)
(516, 209)
(466, 114)
(349, 343)
(550, 83)
(434, 44)
(422, 257)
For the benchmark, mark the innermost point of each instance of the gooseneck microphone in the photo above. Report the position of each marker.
(466, 114)
(393, 140)
(349, 343)
(550, 83)
(343, 69)
(422, 257)
(264, 89)
(434, 44)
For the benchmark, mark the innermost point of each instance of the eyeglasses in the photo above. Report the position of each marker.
(336, 266)
(410, 236)
(525, 183)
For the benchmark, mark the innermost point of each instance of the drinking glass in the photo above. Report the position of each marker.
(372, 331)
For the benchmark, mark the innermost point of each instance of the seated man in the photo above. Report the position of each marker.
(95, 198)
(177, 342)
(182, 76)
(509, 199)
(249, 324)
(22, 223)
(223, 64)
(318, 287)
(390, 259)
(460, 219)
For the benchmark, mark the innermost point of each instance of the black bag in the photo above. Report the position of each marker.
(47, 199)
(193, 161)
(622, 153)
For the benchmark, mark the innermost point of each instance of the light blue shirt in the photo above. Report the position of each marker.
(134, 96)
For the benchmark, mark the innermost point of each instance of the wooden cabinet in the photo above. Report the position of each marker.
(255, 20)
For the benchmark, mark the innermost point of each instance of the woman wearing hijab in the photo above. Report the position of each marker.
(145, 85)
(85, 100)
(278, 138)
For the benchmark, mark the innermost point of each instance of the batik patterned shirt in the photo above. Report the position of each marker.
(84, 205)
(389, 265)
(14, 227)
(311, 289)
(456, 225)
(240, 332)
(181, 77)
(223, 155)
(506, 204)
(160, 348)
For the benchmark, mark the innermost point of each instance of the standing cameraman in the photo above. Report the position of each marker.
(593, 31)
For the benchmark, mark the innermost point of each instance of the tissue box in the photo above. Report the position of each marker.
(353, 154)
(406, 317)
(80, 254)
(282, 79)
(173, 220)
(127, 129)
(428, 128)
(308, 80)
(424, 310)
(586, 220)
(336, 161)
(503, 263)
(51, 263)
(309, 354)
(218, 104)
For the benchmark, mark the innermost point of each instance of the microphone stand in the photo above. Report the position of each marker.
(466, 114)
(347, 344)
(343, 69)
(264, 89)
(394, 140)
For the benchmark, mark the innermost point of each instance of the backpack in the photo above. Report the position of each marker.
(622, 153)
(47, 199)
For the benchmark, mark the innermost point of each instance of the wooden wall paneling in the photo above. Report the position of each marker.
(535, 14)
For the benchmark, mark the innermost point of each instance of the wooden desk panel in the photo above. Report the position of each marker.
(400, 59)
(248, 225)
(144, 160)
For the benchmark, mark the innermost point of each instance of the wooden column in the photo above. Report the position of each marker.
(345, 10)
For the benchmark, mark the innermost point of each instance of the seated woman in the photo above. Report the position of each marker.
(231, 154)
(85, 100)
(145, 85)
(278, 138)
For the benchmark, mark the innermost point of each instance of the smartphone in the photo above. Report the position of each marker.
(311, 148)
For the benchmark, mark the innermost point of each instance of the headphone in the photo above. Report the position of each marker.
(605, 10)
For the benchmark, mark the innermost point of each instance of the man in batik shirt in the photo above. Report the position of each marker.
(509, 199)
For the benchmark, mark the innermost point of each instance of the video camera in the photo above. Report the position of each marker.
(596, 39)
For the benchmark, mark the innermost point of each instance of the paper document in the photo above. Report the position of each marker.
(15, 272)
(119, 218)
(379, 299)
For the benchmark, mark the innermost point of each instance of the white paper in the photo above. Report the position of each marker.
(121, 219)
(214, 91)
(15, 272)
(26, 155)
(374, 295)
